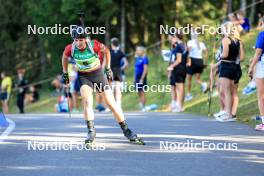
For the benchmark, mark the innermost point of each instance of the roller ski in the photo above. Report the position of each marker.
(133, 138)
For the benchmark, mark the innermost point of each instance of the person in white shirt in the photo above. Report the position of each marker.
(196, 50)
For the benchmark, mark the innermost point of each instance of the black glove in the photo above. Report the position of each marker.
(109, 74)
(65, 78)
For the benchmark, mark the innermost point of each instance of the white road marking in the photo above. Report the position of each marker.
(8, 130)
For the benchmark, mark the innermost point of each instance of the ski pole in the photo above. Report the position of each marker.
(211, 79)
(68, 100)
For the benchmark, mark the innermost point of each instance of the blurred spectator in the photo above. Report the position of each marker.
(74, 86)
(57, 84)
(61, 93)
(62, 104)
(140, 72)
(260, 20)
(32, 96)
(117, 57)
(250, 88)
(21, 86)
(237, 26)
(243, 21)
(6, 87)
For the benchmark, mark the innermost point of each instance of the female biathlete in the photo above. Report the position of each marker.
(91, 77)
(229, 71)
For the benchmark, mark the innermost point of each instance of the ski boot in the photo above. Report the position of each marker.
(90, 138)
(91, 134)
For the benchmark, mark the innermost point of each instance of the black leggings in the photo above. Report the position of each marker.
(20, 102)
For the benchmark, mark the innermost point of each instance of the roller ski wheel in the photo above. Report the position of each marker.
(137, 141)
(89, 144)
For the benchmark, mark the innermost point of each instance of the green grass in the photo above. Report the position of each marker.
(157, 75)
(44, 105)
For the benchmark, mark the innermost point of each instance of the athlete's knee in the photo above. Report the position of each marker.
(222, 91)
(111, 106)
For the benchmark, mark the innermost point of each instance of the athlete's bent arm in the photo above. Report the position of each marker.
(225, 43)
(144, 73)
(125, 63)
(214, 66)
(241, 52)
(177, 62)
(189, 61)
(107, 58)
(64, 63)
(257, 55)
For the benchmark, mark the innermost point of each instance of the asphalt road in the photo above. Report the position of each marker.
(39, 145)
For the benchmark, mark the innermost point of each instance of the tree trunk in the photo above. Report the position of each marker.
(252, 12)
(243, 6)
(160, 21)
(177, 9)
(229, 6)
(107, 33)
(42, 59)
(123, 26)
(146, 31)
